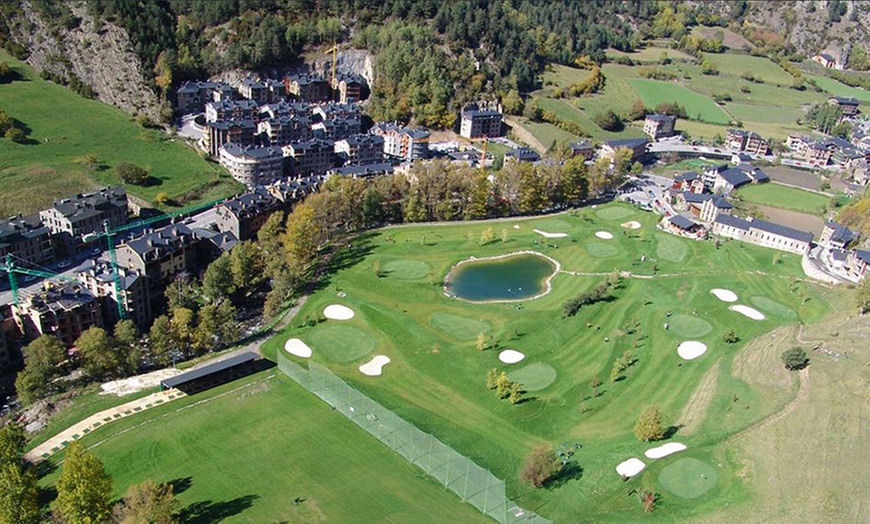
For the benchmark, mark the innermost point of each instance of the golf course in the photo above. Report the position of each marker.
(386, 324)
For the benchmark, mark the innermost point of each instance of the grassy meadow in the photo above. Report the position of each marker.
(785, 197)
(62, 128)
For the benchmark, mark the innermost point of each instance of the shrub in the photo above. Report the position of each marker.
(795, 358)
(540, 467)
(132, 174)
(608, 121)
(16, 135)
(730, 337)
(649, 425)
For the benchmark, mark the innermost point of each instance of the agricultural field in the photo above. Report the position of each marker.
(784, 197)
(699, 107)
(52, 163)
(761, 68)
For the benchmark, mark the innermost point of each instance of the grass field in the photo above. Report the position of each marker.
(563, 76)
(699, 107)
(436, 381)
(761, 68)
(784, 197)
(840, 89)
(650, 54)
(255, 445)
(63, 127)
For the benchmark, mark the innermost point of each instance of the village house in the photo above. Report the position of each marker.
(522, 154)
(401, 142)
(837, 236)
(477, 122)
(636, 145)
(745, 141)
(582, 148)
(360, 149)
(689, 181)
(659, 126)
(827, 61)
(61, 309)
(26, 239)
(857, 263)
(684, 227)
(725, 178)
(849, 106)
(245, 214)
(763, 233)
(252, 165)
(70, 219)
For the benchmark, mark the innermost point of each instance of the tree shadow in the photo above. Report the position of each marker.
(46, 495)
(207, 512)
(571, 470)
(180, 485)
(26, 130)
(12, 76)
(345, 257)
(671, 431)
(44, 468)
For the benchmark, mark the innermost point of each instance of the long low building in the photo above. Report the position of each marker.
(763, 233)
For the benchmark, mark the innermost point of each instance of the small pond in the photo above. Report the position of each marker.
(519, 276)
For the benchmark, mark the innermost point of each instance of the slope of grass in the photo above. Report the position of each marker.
(563, 76)
(840, 89)
(654, 92)
(784, 197)
(650, 54)
(761, 68)
(63, 128)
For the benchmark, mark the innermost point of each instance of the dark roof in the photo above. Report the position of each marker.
(523, 154)
(842, 233)
(721, 202)
(863, 255)
(661, 118)
(366, 170)
(209, 369)
(252, 203)
(686, 177)
(845, 101)
(682, 222)
(735, 177)
(839, 254)
(732, 221)
(695, 198)
(630, 143)
(165, 239)
(782, 231)
(358, 140)
(827, 57)
(256, 153)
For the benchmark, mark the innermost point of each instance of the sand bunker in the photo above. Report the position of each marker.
(691, 349)
(516, 226)
(338, 312)
(663, 451)
(297, 348)
(374, 366)
(510, 356)
(747, 311)
(550, 235)
(634, 224)
(725, 295)
(630, 467)
(604, 235)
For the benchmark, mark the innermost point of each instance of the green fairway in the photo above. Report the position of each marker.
(534, 377)
(774, 308)
(614, 212)
(784, 197)
(840, 89)
(760, 67)
(688, 478)
(340, 343)
(699, 107)
(63, 128)
(671, 248)
(245, 455)
(601, 250)
(458, 327)
(689, 326)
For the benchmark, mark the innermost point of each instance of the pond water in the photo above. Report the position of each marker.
(513, 277)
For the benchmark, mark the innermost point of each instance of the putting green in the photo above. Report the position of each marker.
(689, 326)
(406, 269)
(614, 213)
(601, 250)
(774, 308)
(552, 225)
(688, 478)
(460, 328)
(671, 248)
(341, 343)
(534, 377)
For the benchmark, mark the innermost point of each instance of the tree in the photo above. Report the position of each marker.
(183, 291)
(84, 489)
(540, 466)
(132, 174)
(842, 130)
(217, 281)
(513, 103)
(481, 341)
(502, 385)
(182, 328)
(608, 121)
(246, 266)
(99, 357)
(126, 336)
(19, 494)
(708, 68)
(595, 384)
(6, 122)
(5, 70)
(649, 425)
(730, 337)
(160, 340)
(862, 297)
(515, 395)
(12, 443)
(43, 362)
(147, 503)
(492, 378)
(16, 135)
(303, 236)
(638, 110)
(795, 358)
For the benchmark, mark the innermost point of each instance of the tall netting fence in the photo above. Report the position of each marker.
(472, 483)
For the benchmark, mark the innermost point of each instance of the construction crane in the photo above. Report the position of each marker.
(334, 51)
(12, 269)
(109, 233)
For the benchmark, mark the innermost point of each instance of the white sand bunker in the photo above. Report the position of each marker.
(338, 312)
(664, 450)
(634, 224)
(604, 235)
(297, 348)
(725, 295)
(550, 235)
(630, 467)
(747, 311)
(691, 349)
(516, 226)
(510, 356)
(374, 366)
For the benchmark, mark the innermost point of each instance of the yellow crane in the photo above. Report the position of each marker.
(334, 51)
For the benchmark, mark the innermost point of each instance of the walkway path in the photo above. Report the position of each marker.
(75, 432)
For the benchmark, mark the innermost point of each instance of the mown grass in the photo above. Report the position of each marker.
(840, 89)
(761, 68)
(698, 107)
(62, 128)
(650, 54)
(784, 197)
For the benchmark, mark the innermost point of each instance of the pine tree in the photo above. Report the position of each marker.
(492, 378)
(503, 385)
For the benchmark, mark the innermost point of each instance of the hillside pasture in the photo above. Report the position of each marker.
(650, 55)
(655, 92)
(840, 89)
(761, 68)
(563, 76)
(784, 197)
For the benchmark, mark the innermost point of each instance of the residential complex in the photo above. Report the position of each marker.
(403, 143)
(253, 165)
(62, 309)
(659, 126)
(26, 239)
(70, 219)
(480, 121)
(744, 141)
(245, 214)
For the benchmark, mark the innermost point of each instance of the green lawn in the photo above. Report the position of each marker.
(761, 68)
(654, 92)
(63, 127)
(244, 455)
(785, 197)
(840, 89)
(650, 54)
(566, 111)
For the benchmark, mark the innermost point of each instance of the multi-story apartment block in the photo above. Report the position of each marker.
(479, 122)
(98, 278)
(659, 126)
(64, 310)
(288, 192)
(69, 219)
(310, 88)
(282, 130)
(232, 110)
(284, 108)
(252, 165)
(245, 214)
(191, 97)
(360, 149)
(333, 110)
(27, 239)
(402, 142)
(849, 106)
(347, 88)
(746, 141)
(219, 133)
(312, 157)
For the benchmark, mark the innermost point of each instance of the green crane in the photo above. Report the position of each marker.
(12, 269)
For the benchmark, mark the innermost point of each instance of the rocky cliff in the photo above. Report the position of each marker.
(99, 56)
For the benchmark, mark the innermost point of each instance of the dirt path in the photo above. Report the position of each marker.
(802, 394)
